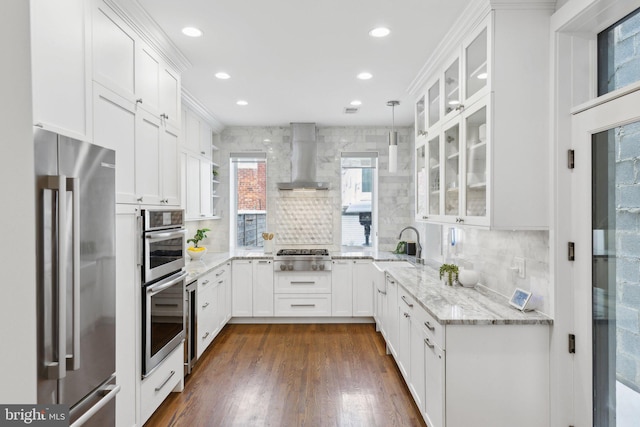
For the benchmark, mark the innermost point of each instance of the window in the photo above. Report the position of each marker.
(359, 184)
(618, 55)
(248, 199)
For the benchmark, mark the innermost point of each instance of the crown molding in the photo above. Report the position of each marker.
(194, 105)
(150, 32)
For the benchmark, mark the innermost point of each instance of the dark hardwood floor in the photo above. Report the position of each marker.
(293, 375)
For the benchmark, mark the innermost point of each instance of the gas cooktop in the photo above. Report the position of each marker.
(303, 252)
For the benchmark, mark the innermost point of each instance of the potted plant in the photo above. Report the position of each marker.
(451, 273)
(196, 252)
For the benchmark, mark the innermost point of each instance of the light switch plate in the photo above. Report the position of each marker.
(519, 265)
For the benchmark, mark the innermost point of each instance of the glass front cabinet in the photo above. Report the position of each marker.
(482, 155)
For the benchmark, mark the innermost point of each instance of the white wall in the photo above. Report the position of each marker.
(17, 287)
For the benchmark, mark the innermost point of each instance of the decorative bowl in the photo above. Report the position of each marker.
(196, 253)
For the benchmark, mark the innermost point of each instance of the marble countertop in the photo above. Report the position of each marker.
(447, 304)
(456, 305)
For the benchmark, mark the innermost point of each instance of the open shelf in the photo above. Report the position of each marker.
(478, 145)
(453, 156)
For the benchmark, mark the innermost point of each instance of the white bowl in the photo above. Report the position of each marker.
(468, 278)
(196, 255)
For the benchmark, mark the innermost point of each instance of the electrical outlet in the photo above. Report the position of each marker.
(519, 265)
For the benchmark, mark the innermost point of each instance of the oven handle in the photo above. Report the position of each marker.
(161, 286)
(154, 237)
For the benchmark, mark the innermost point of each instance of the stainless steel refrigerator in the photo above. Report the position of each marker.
(75, 201)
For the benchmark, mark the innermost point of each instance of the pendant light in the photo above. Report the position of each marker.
(393, 139)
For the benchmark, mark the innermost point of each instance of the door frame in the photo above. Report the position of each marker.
(614, 113)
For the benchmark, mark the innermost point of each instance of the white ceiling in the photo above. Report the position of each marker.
(297, 60)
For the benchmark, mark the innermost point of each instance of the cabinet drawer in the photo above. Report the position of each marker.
(291, 305)
(156, 387)
(205, 282)
(434, 331)
(303, 283)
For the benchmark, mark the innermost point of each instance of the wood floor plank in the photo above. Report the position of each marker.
(293, 375)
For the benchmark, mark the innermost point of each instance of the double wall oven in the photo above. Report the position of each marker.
(163, 284)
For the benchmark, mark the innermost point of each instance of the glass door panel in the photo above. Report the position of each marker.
(421, 183)
(452, 170)
(434, 176)
(452, 87)
(476, 163)
(616, 276)
(420, 118)
(476, 65)
(434, 103)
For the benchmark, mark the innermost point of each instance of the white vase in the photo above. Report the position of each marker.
(195, 256)
(468, 278)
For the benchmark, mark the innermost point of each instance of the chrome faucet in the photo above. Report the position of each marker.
(418, 245)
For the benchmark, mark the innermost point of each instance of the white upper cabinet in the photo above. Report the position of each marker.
(147, 75)
(170, 97)
(60, 59)
(482, 158)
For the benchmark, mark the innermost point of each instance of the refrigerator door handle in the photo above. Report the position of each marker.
(73, 359)
(56, 368)
(110, 392)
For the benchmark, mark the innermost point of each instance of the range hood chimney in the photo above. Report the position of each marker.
(304, 155)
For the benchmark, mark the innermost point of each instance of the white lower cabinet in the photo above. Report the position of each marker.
(363, 288)
(242, 288)
(342, 288)
(214, 308)
(263, 288)
(479, 378)
(167, 377)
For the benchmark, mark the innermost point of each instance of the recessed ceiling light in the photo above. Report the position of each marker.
(365, 76)
(223, 76)
(242, 102)
(380, 32)
(192, 32)
(482, 76)
(356, 102)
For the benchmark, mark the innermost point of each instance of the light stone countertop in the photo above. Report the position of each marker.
(454, 305)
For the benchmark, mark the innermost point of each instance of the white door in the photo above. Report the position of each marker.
(606, 192)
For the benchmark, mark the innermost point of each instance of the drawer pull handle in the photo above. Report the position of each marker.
(204, 337)
(220, 282)
(406, 302)
(429, 326)
(303, 305)
(166, 305)
(381, 292)
(264, 262)
(205, 306)
(220, 273)
(166, 381)
(303, 283)
(205, 282)
(428, 343)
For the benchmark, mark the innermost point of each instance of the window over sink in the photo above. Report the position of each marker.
(359, 185)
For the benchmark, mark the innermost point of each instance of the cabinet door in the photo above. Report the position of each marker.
(192, 186)
(421, 119)
(417, 362)
(147, 76)
(61, 86)
(452, 168)
(147, 156)
(341, 288)
(192, 132)
(421, 182)
(363, 288)
(434, 397)
(475, 200)
(206, 138)
(114, 126)
(170, 172)
(391, 320)
(114, 51)
(476, 71)
(207, 325)
(170, 98)
(242, 288)
(433, 177)
(206, 204)
(404, 342)
(452, 91)
(262, 288)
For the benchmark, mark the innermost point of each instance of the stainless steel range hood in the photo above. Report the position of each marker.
(304, 156)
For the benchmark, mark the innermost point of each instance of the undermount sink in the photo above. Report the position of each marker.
(383, 265)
